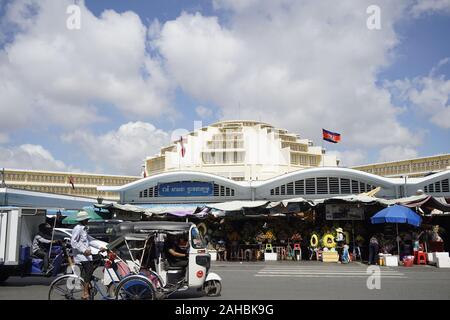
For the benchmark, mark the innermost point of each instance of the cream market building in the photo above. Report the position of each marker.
(181, 187)
(240, 151)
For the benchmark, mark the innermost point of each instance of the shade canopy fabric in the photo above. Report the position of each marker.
(286, 202)
(72, 216)
(180, 210)
(237, 205)
(424, 201)
(397, 214)
(354, 198)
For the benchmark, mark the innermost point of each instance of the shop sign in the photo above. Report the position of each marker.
(186, 189)
(344, 212)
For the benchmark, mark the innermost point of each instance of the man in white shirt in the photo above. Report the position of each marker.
(81, 250)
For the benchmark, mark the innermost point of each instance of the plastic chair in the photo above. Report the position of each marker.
(297, 251)
(420, 257)
(269, 247)
(281, 253)
(248, 253)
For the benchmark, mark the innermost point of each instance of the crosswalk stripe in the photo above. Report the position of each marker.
(324, 272)
(322, 276)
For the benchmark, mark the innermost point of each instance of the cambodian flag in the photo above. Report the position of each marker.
(72, 182)
(183, 149)
(332, 137)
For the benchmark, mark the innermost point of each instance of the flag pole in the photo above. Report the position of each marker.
(321, 152)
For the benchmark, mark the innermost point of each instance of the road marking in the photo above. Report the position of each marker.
(323, 272)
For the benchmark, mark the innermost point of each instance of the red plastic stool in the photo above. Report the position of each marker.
(297, 246)
(420, 257)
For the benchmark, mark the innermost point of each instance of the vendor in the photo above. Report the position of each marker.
(340, 239)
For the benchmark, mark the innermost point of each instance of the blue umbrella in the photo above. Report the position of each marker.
(397, 214)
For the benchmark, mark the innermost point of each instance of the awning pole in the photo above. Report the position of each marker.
(398, 243)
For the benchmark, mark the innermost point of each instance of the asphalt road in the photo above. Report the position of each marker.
(293, 280)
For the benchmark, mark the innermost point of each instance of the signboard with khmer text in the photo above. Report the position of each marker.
(186, 189)
(344, 212)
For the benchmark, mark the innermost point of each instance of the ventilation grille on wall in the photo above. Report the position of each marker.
(322, 185)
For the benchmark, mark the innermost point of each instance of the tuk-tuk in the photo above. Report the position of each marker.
(146, 271)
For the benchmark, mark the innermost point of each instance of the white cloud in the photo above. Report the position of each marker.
(52, 75)
(429, 94)
(4, 138)
(391, 153)
(203, 112)
(302, 65)
(121, 151)
(29, 156)
(430, 6)
(350, 158)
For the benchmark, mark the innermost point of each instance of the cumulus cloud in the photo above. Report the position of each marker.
(430, 6)
(303, 65)
(52, 75)
(350, 158)
(203, 112)
(120, 151)
(391, 153)
(29, 156)
(430, 95)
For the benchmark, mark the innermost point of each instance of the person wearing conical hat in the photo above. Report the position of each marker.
(340, 239)
(81, 250)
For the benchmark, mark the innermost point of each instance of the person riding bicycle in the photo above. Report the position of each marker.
(82, 252)
(41, 245)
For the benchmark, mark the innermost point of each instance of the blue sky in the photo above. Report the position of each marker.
(218, 55)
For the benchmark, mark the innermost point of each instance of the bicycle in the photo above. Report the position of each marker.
(70, 286)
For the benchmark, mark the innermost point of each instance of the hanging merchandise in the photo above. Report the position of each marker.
(314, 240)
(328, 241)
(202, 229)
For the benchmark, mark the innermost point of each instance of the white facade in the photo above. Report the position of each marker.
(314, 183)
(241, 151)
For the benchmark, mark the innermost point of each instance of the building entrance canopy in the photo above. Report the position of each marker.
(201, 210)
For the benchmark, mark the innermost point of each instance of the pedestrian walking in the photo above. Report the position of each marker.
(373, 250)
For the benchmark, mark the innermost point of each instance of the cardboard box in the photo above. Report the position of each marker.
(270, 256)
(391, 261)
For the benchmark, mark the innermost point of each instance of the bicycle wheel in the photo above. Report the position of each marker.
(67, 287)
(135, 288)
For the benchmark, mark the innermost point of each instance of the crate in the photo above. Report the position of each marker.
(330, 256)
(270, 256)
(443, 262)
(391, 261)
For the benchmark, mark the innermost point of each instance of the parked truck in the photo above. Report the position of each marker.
(18, 226)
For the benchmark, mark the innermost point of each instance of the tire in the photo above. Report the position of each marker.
(67, 287)
(212, 288)
(135, 288)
